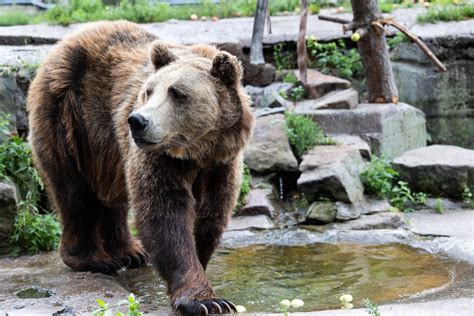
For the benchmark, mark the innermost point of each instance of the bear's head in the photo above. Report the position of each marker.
(193, 105)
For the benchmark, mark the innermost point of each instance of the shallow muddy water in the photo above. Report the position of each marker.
(259, 276)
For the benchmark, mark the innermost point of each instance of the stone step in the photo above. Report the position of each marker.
(339, 99)
(383, 220)
(353, 141)
(318, 84)
(327, 212)
(439, 170)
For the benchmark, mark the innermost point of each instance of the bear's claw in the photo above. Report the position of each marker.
(205, 307)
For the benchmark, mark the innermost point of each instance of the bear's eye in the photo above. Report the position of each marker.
(177, 95)
(147, 94)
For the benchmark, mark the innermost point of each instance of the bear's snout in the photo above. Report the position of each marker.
(137, 123)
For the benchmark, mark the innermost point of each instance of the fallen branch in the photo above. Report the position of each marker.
(379, 24)
(333, 19)
(416, 40)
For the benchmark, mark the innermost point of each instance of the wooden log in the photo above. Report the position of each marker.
(256, 46)
(301, 45)
(373, 49)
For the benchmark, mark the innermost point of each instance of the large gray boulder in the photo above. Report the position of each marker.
(269, 149)
(332, 172)
(446, 98)
(439, 170)
(8, 211)
(389, 129)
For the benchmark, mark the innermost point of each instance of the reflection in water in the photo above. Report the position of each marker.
(259, 276)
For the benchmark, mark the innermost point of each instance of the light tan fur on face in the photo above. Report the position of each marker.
(173, 122)
(191, 129)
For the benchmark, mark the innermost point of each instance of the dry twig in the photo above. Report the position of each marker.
(416, 40)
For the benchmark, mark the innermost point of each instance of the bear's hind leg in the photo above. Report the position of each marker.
(117, 240)
(79, 209)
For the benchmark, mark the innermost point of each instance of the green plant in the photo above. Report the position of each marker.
(297, 93)
(303, 133)
(282, 59)
(33, 231)
(381, 179)
(397, 39)
(439, 207)
(333, 58)
(314, 8)
(290, 77)
(372, 309)
(13, 18)
(379, 176)
(467, 196)
(447, 13)
(245, 186)
(133, 307)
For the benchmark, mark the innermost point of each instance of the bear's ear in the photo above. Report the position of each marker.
(160, 55)
(226, 68)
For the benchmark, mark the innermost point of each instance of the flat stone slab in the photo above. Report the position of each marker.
(453, 223)
(353, 141)
(383, 220)
(332, 172)
(339, 99)
(23, 55)
(439, 170)
(269, 148)
(389, 129)
(250, 222)
(318, 84)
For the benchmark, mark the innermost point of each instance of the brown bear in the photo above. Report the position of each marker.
(122, 120)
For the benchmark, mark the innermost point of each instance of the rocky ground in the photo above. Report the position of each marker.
(77, 291)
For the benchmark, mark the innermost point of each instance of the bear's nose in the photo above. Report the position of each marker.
(137, 122)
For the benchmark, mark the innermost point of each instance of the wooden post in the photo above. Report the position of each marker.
(256, 47)
(301, 45)
(374, 52)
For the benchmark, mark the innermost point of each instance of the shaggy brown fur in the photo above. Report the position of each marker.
(182, 186)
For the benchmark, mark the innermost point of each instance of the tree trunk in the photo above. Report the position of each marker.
(256, 47)
(374, 52)
(301, 45)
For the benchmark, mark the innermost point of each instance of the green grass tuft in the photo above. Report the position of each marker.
(447, 13)
(303, 133)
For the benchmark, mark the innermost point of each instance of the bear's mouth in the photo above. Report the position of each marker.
(140, 142)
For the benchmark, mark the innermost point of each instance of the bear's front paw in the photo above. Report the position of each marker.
(205, 307)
